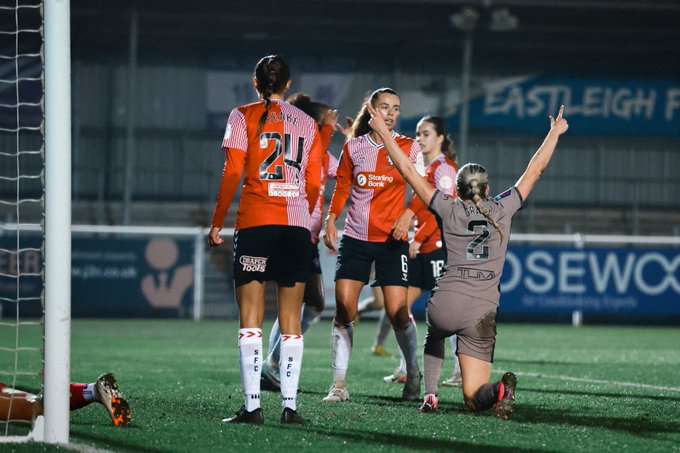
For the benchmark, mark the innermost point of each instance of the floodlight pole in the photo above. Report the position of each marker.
(130, 115)
(57, 220)
(464, 124)
(465, 21)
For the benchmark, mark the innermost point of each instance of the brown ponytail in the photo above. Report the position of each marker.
(271, 76)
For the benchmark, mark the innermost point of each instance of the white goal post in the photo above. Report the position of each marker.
(57, 257)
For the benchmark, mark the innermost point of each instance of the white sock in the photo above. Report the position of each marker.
(402, 363)
(88, 392)
(341, 347)
(250, 360)
(407, 339)
(453, 339)
(292, 347)
(402, 359)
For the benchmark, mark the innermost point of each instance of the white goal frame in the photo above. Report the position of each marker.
(57, 257)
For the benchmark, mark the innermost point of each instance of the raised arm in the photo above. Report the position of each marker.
(313, 172)
(403, 164)
(540, 160)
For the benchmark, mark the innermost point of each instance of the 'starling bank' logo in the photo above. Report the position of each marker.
(253, 263)
(373, 181)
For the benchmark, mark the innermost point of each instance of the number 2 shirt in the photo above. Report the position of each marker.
(474, 252)
(281, 166)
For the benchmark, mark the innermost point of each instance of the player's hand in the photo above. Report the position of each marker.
(377, 122)
(413, 249)
(214, 238)
(330, 118)
(330, 236)
(402, 225)
(558, 124)
(348, 130)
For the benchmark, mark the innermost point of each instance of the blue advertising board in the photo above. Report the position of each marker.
(607, 281)
(131, 277)
(624, 281)
(597, 107)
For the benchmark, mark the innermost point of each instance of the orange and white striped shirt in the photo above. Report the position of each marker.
(377, 188)
(282, 166)
(441, 174)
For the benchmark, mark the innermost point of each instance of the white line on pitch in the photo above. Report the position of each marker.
(594, 381)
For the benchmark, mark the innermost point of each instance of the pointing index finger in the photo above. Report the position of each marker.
(559, 115)
(370, 108)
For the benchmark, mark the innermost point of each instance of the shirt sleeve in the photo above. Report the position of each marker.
(313, 173)
(445, 179)
(332, 165)
(236, 134)
(231, 175)
(509, 202)
(441, 204)
(326, 133)
(343, 183)
(416, 156)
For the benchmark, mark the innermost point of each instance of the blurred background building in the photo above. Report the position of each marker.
(153, 82)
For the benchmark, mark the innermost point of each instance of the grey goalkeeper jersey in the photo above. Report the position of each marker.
(475, 254)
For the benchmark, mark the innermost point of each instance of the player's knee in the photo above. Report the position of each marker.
(399, 318)
(344, 313)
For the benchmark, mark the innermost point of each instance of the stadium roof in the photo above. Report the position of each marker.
(630, 36)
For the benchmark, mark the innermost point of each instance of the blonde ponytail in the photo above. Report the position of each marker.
(470, 188)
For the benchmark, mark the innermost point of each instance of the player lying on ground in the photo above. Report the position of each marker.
(17, 405)
(466, 298)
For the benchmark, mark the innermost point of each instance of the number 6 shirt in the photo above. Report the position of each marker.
(282, 166)
(376, 185)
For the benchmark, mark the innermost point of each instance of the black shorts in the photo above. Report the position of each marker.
(272, 253)
(315, 263)
(355, 258)
(425, 270)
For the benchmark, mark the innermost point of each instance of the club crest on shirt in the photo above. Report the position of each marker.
(253, 263)
(445, 182)
(499, 197)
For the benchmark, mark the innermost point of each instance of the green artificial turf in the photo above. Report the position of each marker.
(580, 389)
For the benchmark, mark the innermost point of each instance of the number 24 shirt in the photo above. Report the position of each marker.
(281, 166)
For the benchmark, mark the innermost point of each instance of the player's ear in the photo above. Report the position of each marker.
(486, 191)
(288, 85)
(255, 83)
